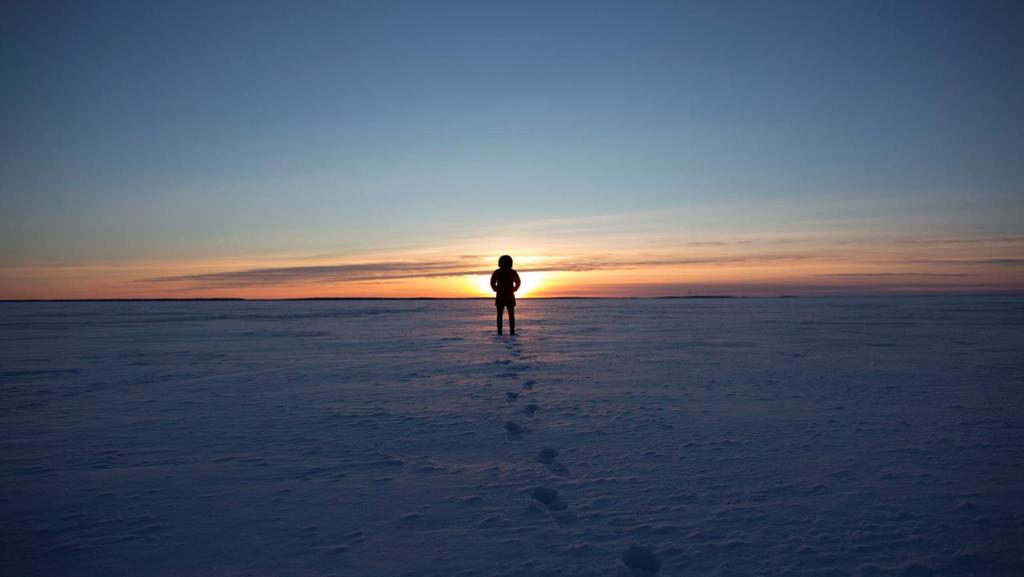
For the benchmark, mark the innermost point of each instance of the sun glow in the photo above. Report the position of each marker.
(531, 283)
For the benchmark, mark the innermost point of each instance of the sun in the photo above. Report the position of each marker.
(531, 282)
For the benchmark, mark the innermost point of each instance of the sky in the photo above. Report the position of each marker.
(299, 149)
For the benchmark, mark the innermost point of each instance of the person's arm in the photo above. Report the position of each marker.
(515, 281)
(494, 281)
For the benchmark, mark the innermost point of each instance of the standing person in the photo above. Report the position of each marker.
(505, 282)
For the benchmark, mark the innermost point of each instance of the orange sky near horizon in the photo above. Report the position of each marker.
(742, 268)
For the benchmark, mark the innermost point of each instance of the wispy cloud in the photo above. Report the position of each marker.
(890, 274)
(921, 262)
(936, 242)
(383, 270)
(467, 265)
(972, 261)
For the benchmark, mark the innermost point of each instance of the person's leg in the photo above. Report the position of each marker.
(511, 320)
(499, 307)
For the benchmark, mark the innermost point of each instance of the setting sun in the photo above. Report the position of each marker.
(531, 282)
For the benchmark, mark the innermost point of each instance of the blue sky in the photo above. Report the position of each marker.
(198, 132)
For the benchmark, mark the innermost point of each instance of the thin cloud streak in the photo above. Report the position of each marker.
(1012, 262)
(890, 274)
(390, 270)
(802, 289)
(320, 273)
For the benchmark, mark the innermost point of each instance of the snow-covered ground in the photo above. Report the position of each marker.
(826, 436)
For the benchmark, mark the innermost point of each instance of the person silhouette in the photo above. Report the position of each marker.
(505, 282)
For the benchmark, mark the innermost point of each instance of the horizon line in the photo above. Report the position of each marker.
(423, 298)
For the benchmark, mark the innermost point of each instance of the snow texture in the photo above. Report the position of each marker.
(825, 436)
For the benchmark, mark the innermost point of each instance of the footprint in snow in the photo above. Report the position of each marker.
(528, 385)
(511, 396)
(547, 455)
(641, 560)
(549, 498)
(514, 430)
(530, 410)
